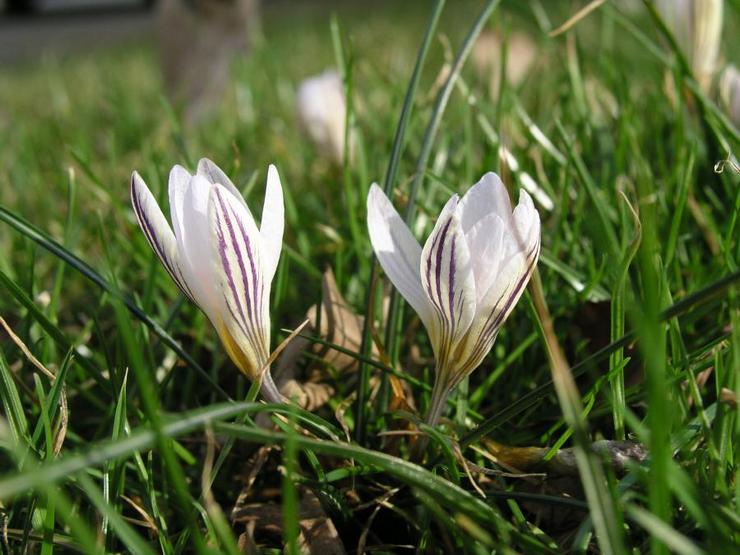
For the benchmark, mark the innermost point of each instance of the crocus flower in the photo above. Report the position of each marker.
(697, 27)
(219, 258)
(729, 92)
(466, 279)
(322, 111)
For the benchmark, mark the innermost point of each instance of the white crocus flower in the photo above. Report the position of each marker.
(729, 92)
(697, 27)
(322, 111)
(466, 280)
(219, 258)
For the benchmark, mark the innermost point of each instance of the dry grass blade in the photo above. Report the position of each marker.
(601, 505)
(379, 503)
(148, 520)
(576, 17)
(61, 433)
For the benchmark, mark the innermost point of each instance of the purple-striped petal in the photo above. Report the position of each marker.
(244, 293)
(513, 269)
(448, 281)
(157, 231)
(216, 175)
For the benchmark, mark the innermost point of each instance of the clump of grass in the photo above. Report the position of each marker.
(125, 426)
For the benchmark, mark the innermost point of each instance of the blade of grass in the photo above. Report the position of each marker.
(11, 400)
(142, 439)
(442, 490)
(128, 536)
(616, 359)
(151, 407)
(388, 184)
(603, 511)
(652, 333)
(290, 500)
(536, 395)
(32, 232)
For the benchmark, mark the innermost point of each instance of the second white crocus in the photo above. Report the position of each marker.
(697, 27)
(219, 258)
(322, 111)
(466, 279)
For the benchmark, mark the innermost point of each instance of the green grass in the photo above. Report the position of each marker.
(644, 305)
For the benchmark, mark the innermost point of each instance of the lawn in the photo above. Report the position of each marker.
(604, 418)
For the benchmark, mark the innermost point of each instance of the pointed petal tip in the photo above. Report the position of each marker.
(273, 177)
(178, 177)
(375, 196)
(490, 179)
(137, 184)
(203, 163)
(525, 200)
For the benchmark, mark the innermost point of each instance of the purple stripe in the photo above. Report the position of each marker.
(152, 237)
(222, 247)
(429, 288)
(519, 285)
(237, 251)
(491, 328)
(440, 250)
(234, 318)
(248, 243)
(146, 226)
(248, 322)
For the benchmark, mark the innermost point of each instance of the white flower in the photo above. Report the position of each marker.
(218, 257)
(729, 91)
(466, 280)
(697, 27)
(322, 111)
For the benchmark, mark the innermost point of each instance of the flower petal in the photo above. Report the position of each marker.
(488, 196)
(526, 222)
(272, 224)
(486, 243)
(244, 294)
(398, 252)
(156, 230)
(515, 269)
(216, 175)
(179, 181)
(194, 247)
(448, 281)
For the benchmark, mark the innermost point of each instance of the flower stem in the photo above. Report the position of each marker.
(269, 390)
(437, 403)
(436, 406)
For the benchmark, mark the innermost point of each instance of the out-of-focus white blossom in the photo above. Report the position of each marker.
(697, 27)
(322, 111)
(729, 92)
